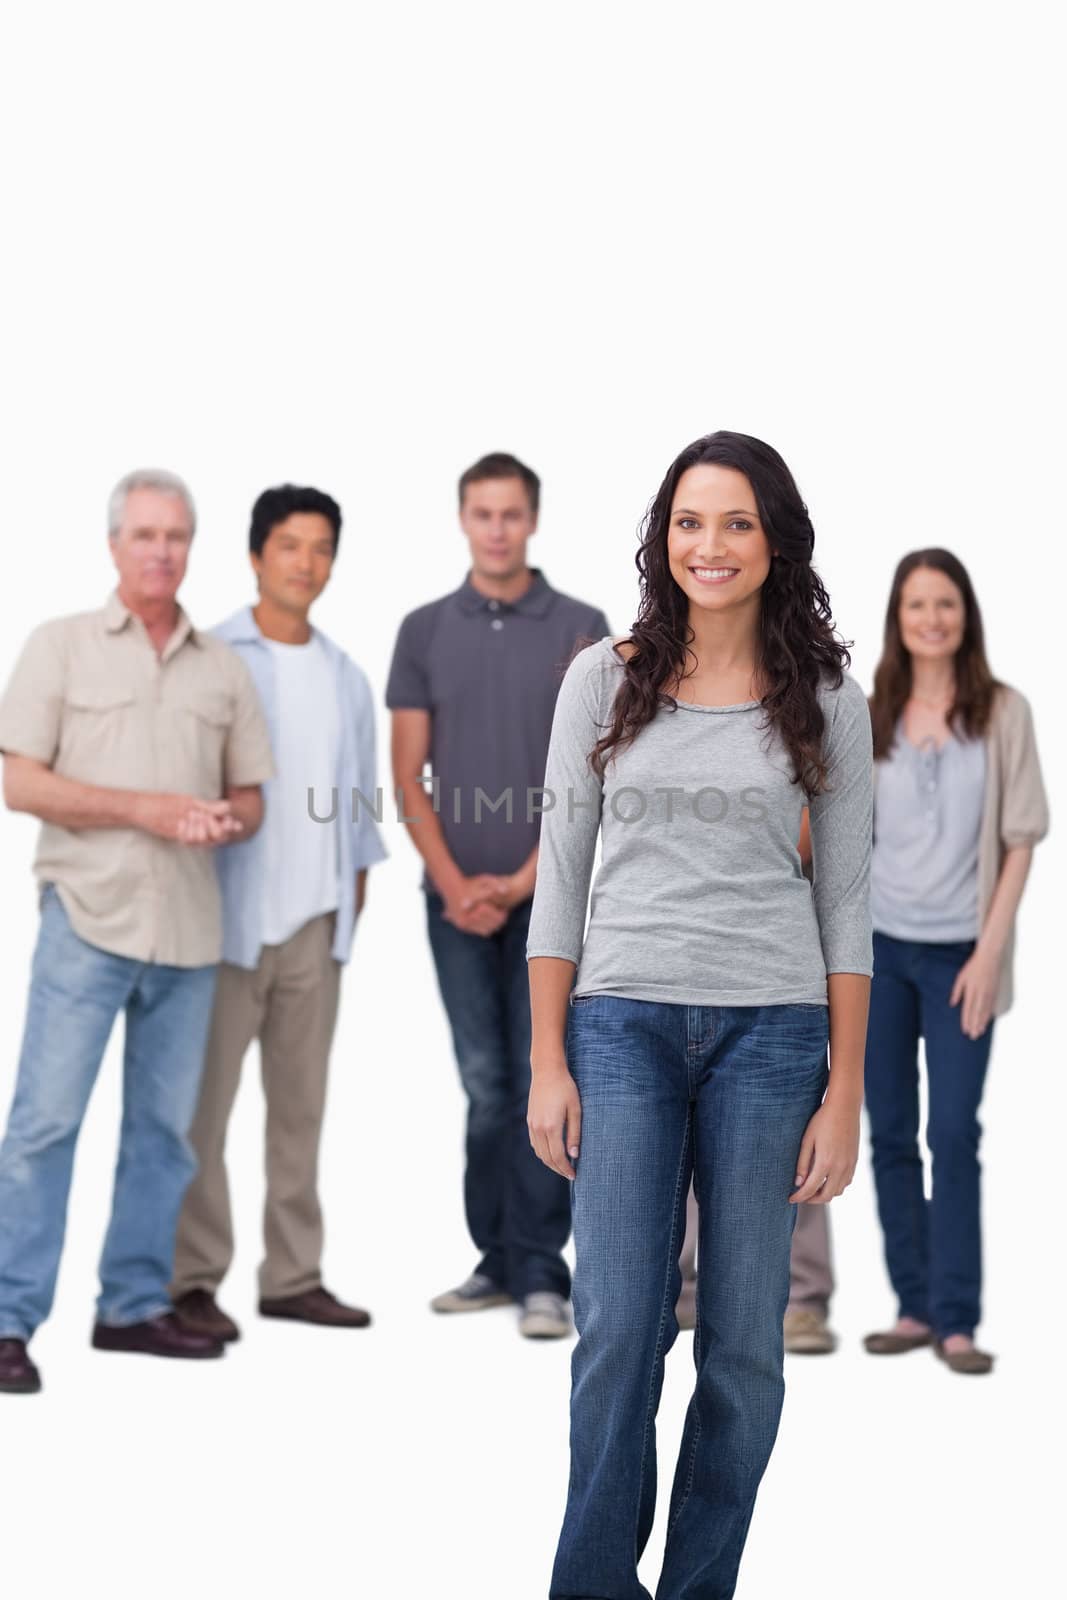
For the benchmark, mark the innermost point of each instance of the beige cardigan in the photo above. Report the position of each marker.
(1015, 811)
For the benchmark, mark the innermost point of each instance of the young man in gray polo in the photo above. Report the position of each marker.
(140, 744)
(291, 898)
(472, 689)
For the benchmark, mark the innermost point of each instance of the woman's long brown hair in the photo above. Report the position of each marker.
(975, 683)
(796, 642)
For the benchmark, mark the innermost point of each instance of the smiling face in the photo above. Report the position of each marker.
(150, 546)
(498, 519)
(295, 563)
(717, 550)
(932, 614)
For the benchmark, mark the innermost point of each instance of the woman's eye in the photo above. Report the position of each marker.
(739, 523)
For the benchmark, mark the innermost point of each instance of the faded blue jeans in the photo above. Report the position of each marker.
(724, 1093)
(76, 993)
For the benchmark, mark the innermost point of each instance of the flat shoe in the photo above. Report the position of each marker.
(895, 1344)
(973, 1362)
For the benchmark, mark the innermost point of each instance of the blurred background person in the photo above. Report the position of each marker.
(291, 898)
(959, 806)
(472, 688)
(140, 744)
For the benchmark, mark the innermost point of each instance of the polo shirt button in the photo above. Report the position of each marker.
(494, 605)
(496, 623)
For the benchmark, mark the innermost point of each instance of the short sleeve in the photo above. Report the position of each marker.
(408, 684)
(31, 710)
(841, 819)
(247, 759)
(1024, 812)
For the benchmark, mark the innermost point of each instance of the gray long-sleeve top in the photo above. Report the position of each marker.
(700, 898)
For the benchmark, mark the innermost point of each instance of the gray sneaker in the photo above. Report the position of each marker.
(545, 1315)
(478, 1293)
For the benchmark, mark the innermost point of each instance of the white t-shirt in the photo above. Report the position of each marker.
(301, 853)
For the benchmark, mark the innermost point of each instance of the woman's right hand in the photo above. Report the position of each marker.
(554, 1118)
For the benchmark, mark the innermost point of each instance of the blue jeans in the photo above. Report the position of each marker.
(76, 992)
(933, 1248)
(724, 1093)
(518, 1211)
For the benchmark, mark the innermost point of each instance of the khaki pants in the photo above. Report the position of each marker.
(811, 1278)
(289, 1003)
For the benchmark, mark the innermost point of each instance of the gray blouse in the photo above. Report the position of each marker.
(927, 816)
(700, 898)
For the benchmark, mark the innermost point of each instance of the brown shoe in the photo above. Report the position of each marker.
(895, 1344)
(18, 1375)
(807, 1333)
(199, 1311)
(159, 1336)
(318, 1306)
(972, 1361)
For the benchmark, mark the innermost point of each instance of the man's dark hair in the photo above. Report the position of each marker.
(274, 505)
(501, 465)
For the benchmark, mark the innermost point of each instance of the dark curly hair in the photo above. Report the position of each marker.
(796, 641)
(975, 684)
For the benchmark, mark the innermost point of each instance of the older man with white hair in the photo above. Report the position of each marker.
(140, 744)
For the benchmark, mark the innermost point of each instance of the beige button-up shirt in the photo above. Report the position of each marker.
(90, 698)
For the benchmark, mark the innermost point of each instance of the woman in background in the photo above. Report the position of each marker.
(959, 806)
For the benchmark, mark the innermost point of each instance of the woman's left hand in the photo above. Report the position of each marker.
(976, 985)
(829, 1152)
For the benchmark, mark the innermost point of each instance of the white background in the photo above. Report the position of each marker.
(359, 246)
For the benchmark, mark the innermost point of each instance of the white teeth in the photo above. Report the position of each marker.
(715, 572)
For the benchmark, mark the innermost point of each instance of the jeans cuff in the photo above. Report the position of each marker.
(156, 1309)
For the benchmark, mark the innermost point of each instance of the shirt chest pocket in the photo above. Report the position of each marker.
(98, 740)
(193, 751)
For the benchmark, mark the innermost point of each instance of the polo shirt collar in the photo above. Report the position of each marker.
(534, 603)
(117, 615)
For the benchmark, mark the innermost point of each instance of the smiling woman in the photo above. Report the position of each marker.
(719, 977)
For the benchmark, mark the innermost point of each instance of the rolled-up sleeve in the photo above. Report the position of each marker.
(367, 845)
(573, 800)
(31, 709)
(842, 828)
(1024, 813)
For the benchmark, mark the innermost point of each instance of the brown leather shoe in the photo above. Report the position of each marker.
(895, 1344)
(159, 1336)
(971, 1361)
(318, 1306)
(18, 1375)
(199, 1311)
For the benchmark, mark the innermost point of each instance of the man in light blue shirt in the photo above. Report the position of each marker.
(291, 899)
